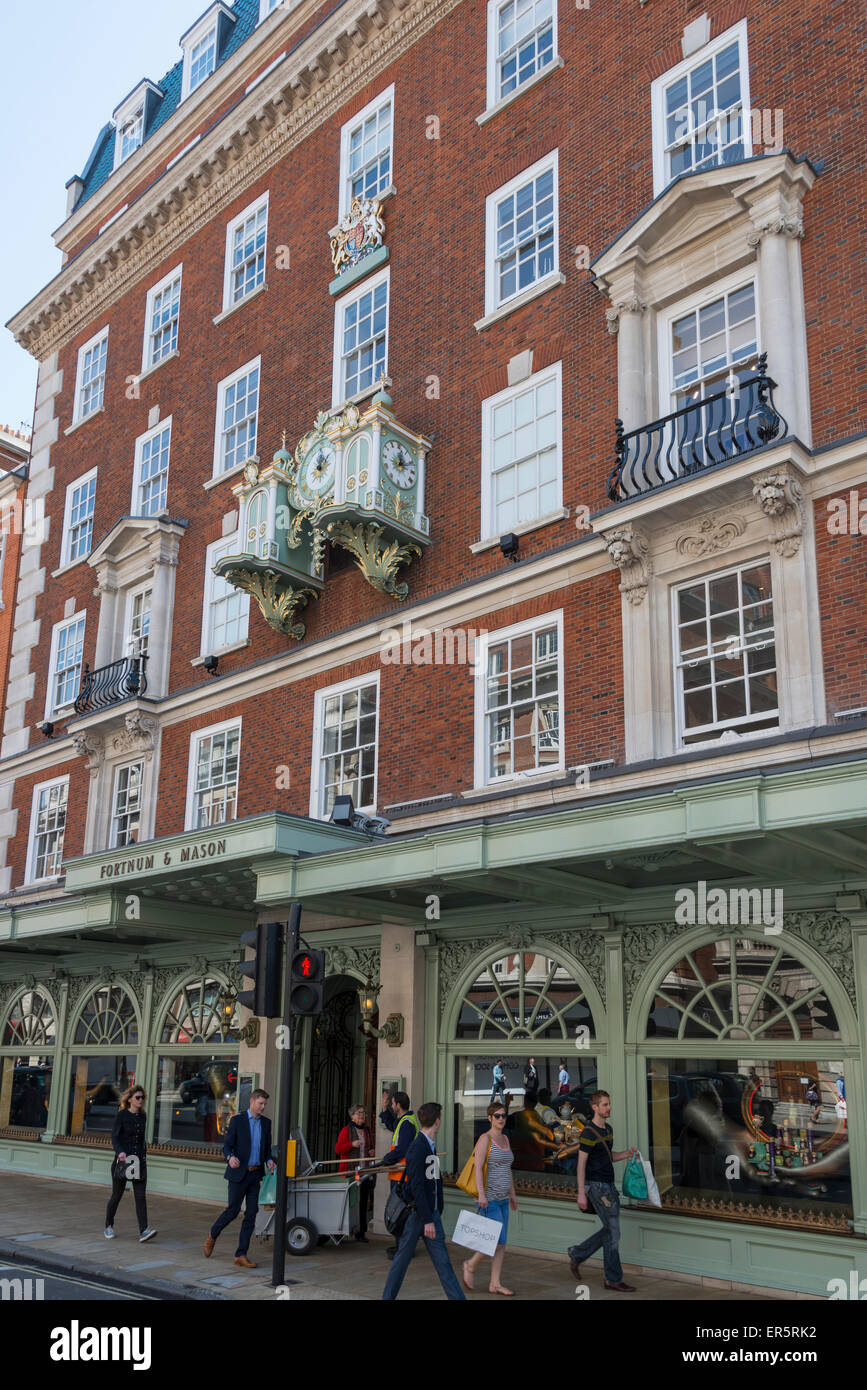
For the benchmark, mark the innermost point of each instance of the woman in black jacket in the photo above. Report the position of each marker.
(128, 1138)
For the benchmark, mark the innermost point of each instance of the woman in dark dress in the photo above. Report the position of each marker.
(128, 1138)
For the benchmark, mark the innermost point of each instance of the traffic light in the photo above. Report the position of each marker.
(263, 999)
(307, 986)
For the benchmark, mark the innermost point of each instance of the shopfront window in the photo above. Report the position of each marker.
(743, 1133)
(96, 1086)
(26, 1068)
(107, 1016)
(196, 1097)
(194, 1014)
(523, 995)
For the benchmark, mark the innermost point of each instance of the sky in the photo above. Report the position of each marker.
(66, 64)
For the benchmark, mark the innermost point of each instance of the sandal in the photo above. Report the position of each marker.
(509, 1293)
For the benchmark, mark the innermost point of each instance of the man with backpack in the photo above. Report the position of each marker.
(596, 1188)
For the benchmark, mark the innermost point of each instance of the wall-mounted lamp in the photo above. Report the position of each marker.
(210, 664)
(227, 1000)
(510, 545)
(47, 729)
(392, 1030)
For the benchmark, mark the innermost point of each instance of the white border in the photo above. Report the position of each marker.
(345, 133)
(222, 387)
(484, 640)
(657, 97)
(195, 738)
(717, 289)
(365, 287)
(31, 838)
(52, 711)
(77, 416)
(488, 407)
(491, 99)
(208, 595)
(549, 161)
(139, 446)
(319, 698)
(254, 208)
(178, 273)
(65, 559)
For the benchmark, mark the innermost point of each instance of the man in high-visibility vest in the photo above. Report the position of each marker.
(405, 1130)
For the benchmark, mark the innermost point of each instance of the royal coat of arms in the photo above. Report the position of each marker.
(359, 231)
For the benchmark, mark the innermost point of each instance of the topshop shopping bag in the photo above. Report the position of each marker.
(477, 1232)
(653, 1196)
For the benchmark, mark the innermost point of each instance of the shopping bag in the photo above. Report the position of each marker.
(467, 1180)
(653, 1196)
(634, 1181)
(268, 1190)
(477, 1232)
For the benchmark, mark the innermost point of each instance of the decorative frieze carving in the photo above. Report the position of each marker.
(714, 534)
(137, 736)
(629, 552)
(583, 945)
(90, 745)
(362, 961)
(631, 305)
(789, 224)
(780, 497)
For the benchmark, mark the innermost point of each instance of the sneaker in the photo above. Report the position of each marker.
(147, 1234)
(109, 1233)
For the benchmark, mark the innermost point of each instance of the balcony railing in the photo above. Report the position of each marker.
(714, 430)
(112, 684)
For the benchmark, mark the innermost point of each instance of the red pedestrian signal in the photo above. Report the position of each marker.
(307, 988)
(305, 966)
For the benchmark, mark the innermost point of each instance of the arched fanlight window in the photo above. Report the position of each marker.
(523, 995)
(257, 514)
(107, 1016)
(30, 1021)
(357, 459)
(740, 989)
(194, 1014)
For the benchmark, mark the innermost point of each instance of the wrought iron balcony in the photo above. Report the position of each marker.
(112, 684)
(714, 430)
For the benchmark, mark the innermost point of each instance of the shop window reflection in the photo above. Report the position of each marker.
(96, 1086)
(196, 1097)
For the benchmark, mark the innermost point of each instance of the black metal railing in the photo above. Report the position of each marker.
(112, 684)
(717, 429)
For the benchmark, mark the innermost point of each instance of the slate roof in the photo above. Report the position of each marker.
(100, 165)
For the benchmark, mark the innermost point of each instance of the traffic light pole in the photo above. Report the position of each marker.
(284, 1114)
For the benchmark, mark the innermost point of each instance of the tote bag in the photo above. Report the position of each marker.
(467, 1180)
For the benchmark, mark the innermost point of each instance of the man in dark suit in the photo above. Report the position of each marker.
(426, 1190)
(247, 1147)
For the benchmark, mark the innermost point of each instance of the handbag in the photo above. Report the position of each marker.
(634, 1181)
(467, 1180)
(398, 1207)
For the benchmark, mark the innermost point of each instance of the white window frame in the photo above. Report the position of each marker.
(113, 814)
(134, 114)
(267, 7)
(147, 355)
(372, 108)
(232, 545)
(196, 738)
(737, 32)
(30, 867)
(367, 286)
(493, 96)
(317, 789)
(51, 710)
(131, 596)
(90, 346)
(553, 373)
(222, 387)
(485, 641)
(229, 302)
(208, 23)
(143, 439)
(492, 299)
(717, 289)
(66, 547)
(745, 729)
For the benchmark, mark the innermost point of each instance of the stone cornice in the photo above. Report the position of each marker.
(337, 60)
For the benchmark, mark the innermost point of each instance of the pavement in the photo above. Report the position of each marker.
(58, 1226)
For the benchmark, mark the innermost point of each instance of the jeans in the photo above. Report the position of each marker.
(248, 1187)
(608, 1237)
(118, 1187)
(436, 1248)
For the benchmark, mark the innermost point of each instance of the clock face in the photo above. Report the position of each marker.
(316, 478)
(399, 463)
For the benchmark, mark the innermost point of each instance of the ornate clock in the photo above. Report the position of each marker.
(399, 464)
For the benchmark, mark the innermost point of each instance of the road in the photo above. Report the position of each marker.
(59, 1288)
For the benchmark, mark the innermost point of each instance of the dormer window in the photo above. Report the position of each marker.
(203, 44)
(131, 119)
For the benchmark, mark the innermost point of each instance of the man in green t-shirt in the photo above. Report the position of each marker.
(596, 1189)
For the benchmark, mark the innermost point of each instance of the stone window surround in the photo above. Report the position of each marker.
(137, 550)
(106, 746)
(762, 515)
(702, 229)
